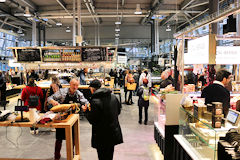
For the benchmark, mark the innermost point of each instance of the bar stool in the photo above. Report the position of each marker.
(20, 102)
(119, 94)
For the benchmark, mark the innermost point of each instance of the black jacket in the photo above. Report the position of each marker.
(217, 93)
(141, 101)
(105, 108)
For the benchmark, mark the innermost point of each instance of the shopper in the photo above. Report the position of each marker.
(143, 101)
(55, 86)
(146, 75)
(3, 87)
(129, 79)
(165, 81)
(121, 78)
(65, 96)
(103, 116)
(32, 90)
(217, 92)
(34, 75)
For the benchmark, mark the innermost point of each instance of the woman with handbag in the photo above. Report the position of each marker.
(32, 90)
(129, 80)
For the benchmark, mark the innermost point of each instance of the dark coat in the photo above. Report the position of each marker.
(165, 83)
(103, 116)
(141, 101)
(217, 93)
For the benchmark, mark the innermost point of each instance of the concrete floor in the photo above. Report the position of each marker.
(138, 143)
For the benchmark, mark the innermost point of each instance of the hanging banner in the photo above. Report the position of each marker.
(228, 55)
(198, 51)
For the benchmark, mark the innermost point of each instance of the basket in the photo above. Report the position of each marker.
(131, 86)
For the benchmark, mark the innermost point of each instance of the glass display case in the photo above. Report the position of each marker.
(199, 134)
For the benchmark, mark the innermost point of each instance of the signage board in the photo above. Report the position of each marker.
(122, 59)
(198, 51)
(228, 55)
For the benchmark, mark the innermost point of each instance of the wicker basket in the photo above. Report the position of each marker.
(131, 86)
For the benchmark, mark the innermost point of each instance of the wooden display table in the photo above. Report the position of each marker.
(71, 121)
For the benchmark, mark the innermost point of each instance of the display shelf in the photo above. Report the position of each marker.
(166, 115)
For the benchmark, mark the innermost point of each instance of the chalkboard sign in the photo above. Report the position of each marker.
(94, 54)
(28, 55)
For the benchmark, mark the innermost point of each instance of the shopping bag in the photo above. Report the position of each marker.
(131, 86)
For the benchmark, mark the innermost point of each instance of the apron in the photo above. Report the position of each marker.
(60, 132)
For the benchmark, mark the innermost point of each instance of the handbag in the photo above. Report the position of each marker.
(131, 86)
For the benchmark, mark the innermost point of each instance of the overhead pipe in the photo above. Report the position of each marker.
(93, 10)
(21, 8)
(89, 10)
(60, 3)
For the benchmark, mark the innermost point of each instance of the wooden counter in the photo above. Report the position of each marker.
(48, 86)
(71, 121)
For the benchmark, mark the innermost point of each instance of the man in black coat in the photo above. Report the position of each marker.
(217, 92)
(103, 116)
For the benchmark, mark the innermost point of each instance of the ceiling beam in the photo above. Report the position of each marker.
(3, 22)
(194, 17)
(63, 5)
(188, 20)
(197, 5)
(154, 2)
(166, 20)
(14, 17)
(30, 4)
(123, 2)
(97, 16)
(186, 3)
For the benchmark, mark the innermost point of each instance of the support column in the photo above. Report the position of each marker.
(34, 33)
(74, 23)
(98, 34)
(152, 37)
(237, 73)
(44, 35)
(213, 7)
(156, 37)
(39, 34)
(79, 23)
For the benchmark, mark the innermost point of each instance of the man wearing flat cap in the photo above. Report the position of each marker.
(103, 116)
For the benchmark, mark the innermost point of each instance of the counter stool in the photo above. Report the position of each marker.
(20, 102)
(119, 94)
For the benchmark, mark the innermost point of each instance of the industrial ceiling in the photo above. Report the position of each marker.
(100, 12)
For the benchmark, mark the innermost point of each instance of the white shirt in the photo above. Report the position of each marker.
(218, 82)
(143, 76)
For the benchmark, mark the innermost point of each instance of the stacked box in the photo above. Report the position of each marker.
(217, 114)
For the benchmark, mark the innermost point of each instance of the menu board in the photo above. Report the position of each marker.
(94, 54)
(28, 55)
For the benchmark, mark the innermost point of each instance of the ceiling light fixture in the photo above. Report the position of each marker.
(138, 9)
(58, 23)
(27, 12)
(168, 29)
(68, 30)
(117, 29)
(2, 1)
(116, 38)
(19, 31)
(117, 22)
(117, 35)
